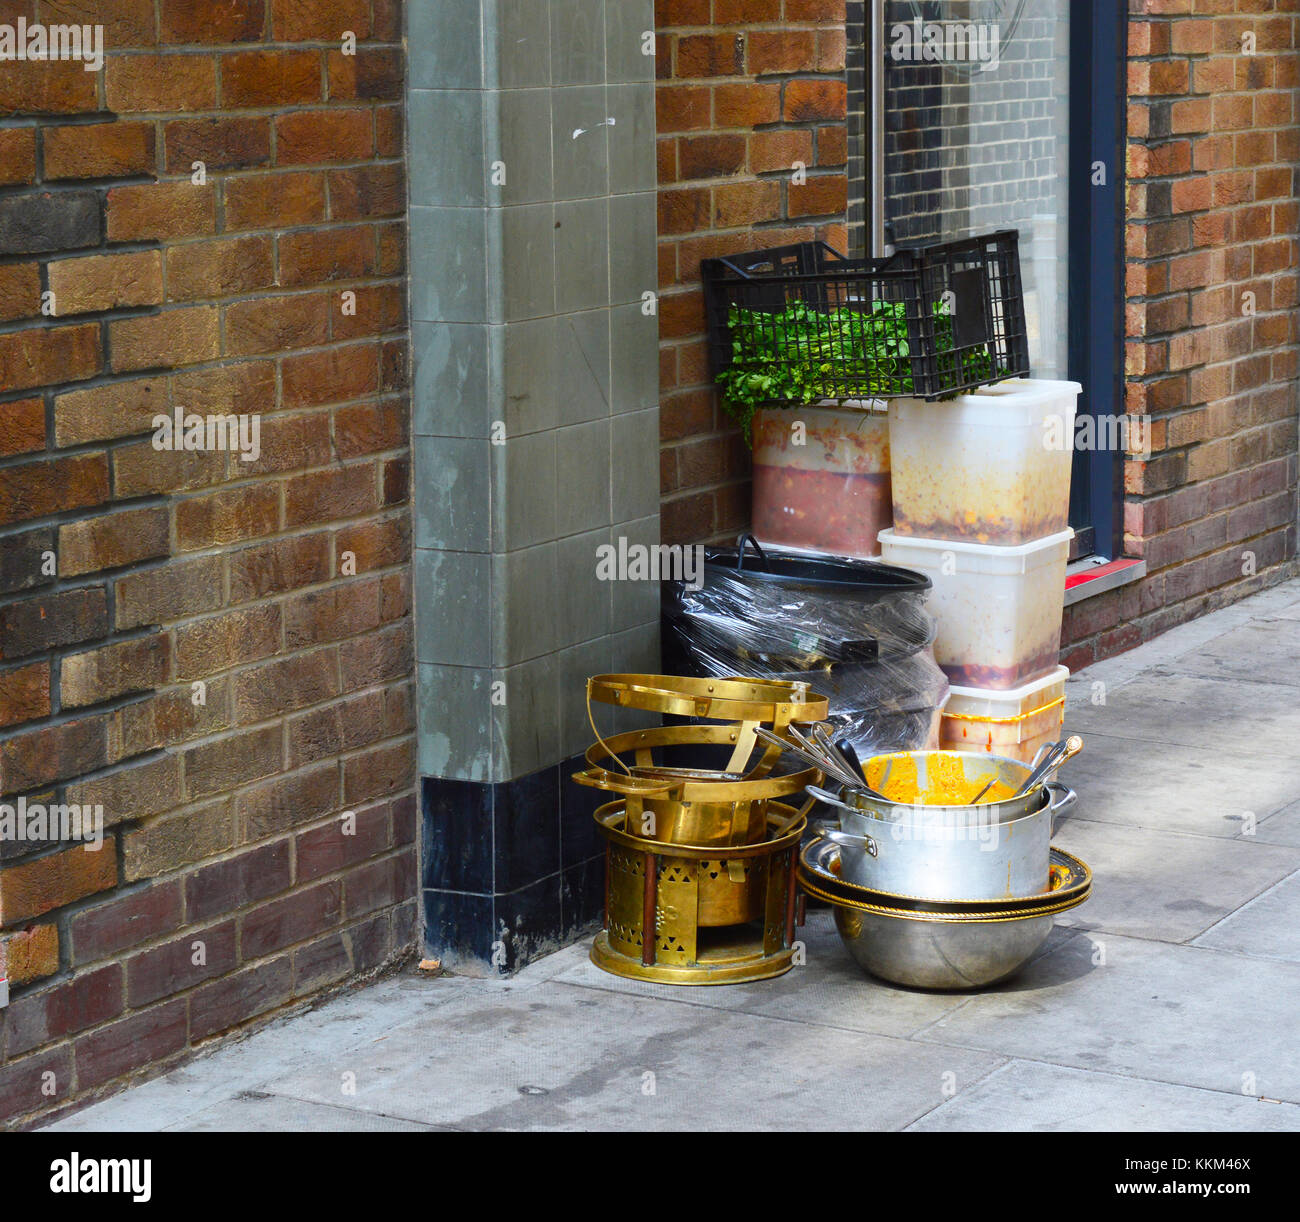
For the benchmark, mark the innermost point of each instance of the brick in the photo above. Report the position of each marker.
(747, 105)
(297, 917)
(371, 74)
(216, 643)
(327, 496)
(273, 568)
(379, 308)
(823, 195)
(711, 156)
(106, 282)
(161, 211)
(20, 296)
(99, 150)
(269, 324)
(378, 772)
(87, 1000)
(745, 204)
(163, 595)
(684, 108)
(319, 20)
(125, 22)
(279, 805)
(24, 694)
(160, 83)
(142, 470)
(202, 21)
(322, 962)
(227, 516)
(173, 337)
(390, 131)
(378, 884)
(47, 356)
(832, 146)
(221, 765)
(114, 670)
(365, 191)
(815, 99)
(173, 841)
(332, 375)
(273, 201)
(52, 753)
(342, 842)
(133, 791)
(221, 268)
(286, 684)
(143, 1039)
(33, 888)
(370, 428)
(35, 1083)
(183, 963)
(42, 623)
(251, 384)
(331, 614)
(52, 485)
(376, 544)
(291, 443)
(227, 1003)
(51, 87)
(688, 210)
(270, 78)
(22, 426)
(315, 137)
(17, 155)
(705, 55)
(34, 221)
(226, 886)
(781, 51)
(326, 254)
(29, 954)
(770, 151)
(220, 143)
(376, 658)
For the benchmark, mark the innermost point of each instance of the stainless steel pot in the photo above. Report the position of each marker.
(963, 950)
(948, 853)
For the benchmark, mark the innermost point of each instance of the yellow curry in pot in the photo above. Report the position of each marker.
(946, 783)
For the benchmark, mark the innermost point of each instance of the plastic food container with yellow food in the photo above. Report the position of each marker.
(1014, 723)
(991, 466)
(998, 608)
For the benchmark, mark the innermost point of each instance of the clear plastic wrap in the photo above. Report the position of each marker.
(858, 633)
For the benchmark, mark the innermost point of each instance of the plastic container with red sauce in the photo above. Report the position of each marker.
(821, 479)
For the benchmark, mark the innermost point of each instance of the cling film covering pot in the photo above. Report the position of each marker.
(859, 634)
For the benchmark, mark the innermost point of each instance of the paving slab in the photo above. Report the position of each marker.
(575, 1059)
(1281, 828)
(259, 1112)
(1166, 885)
(1267, 926)
(1030, 1097)
(1221, 718)
(1263, 651)
(1177, 788)
(1180, 1014)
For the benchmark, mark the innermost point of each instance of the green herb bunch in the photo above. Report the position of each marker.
(801, 354)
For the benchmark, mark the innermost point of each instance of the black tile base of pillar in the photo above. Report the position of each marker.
(512, 870)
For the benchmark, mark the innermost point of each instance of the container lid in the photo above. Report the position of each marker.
(985, 703)
(872, 580)
(900, 543)
(1015, 403)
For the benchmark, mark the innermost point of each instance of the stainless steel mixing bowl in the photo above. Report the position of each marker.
(955, 949)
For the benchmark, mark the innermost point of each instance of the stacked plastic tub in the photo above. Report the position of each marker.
(981, 492)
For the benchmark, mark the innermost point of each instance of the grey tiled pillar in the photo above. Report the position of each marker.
(533, 217)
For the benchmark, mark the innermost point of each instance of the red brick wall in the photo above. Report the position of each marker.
(175, 569)
(1214, 215)
(746, 89)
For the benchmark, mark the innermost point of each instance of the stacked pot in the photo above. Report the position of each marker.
(933, 889)
(981, 494)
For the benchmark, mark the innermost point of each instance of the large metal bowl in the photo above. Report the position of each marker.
(928, 950)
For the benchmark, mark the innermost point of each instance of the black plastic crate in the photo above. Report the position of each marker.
(804, 324)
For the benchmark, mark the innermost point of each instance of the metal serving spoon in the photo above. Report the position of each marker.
(1054, 758)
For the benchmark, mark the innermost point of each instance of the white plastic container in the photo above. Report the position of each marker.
(1013, 724)
(991, 466)
(999, 608)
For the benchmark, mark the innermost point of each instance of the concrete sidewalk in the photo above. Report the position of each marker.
(1168, 1001)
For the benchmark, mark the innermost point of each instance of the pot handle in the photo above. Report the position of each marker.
(1060, 802)
(831, 799)
(828, 831)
